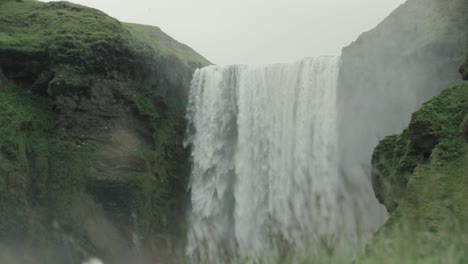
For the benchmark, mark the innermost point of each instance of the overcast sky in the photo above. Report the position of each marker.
(255, 31)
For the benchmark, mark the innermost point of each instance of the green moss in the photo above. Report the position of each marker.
(39, 167)
(69, 81)
(155, 38)
(441, 119)
(166, 181)
(145, 107)
(31, 25)
(91, 119)
(432, 210)
(429, 222)
(435, 136)
(393, 162)
(429, 226)
(86, 41)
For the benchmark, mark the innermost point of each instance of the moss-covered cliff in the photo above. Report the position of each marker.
(421, 176)
(385, 76)
(426, 163)
(91, 129)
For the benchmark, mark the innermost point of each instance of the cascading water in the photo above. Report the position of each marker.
(264, 172)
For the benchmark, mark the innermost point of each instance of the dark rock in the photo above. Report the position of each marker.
(92, 116)
(464, 69)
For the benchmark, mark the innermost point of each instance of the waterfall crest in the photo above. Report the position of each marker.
(264, 156)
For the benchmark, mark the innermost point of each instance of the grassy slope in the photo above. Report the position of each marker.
(31, 26)
(430, 223)
(164, 44)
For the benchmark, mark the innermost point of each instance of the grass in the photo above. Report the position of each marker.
(164, 44)
(401, 244)
(429, 224)
(406, 246)
(31, 26)
(82, 36)
(434, 138)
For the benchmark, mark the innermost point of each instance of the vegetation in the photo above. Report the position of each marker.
(434, 140)
(424, 170)
(91, 155)
(34, 27)
(92, 125)
(387, 74)
(405, 245)
(430, 138)
(165, 45)
(41, 169)
(419, 174)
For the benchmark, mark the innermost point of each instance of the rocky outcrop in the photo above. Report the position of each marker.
(385, 76)
(464, 69)
(92, 125)
(434, 139)
(421, 177)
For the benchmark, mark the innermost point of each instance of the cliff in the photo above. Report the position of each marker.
(421, 177)
(420, 173)
(427, 162)
(386, 75)
(438, 125)
(464, 69)
(91, 130)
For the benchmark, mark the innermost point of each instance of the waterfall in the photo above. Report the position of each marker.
(264, 155)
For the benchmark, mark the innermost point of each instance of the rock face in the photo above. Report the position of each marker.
(434, 142)
(421, 177)
(387, 73)
(464, 69)
(91, 131)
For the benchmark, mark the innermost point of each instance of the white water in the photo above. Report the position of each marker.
(264, 159)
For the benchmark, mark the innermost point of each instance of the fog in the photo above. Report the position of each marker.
(255, 31)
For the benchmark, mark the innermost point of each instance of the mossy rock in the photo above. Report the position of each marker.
(435, 136)
(424, 170)
(393, 162)
(388, 73)
(91, 138)
(421, 176)
(464, 69)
